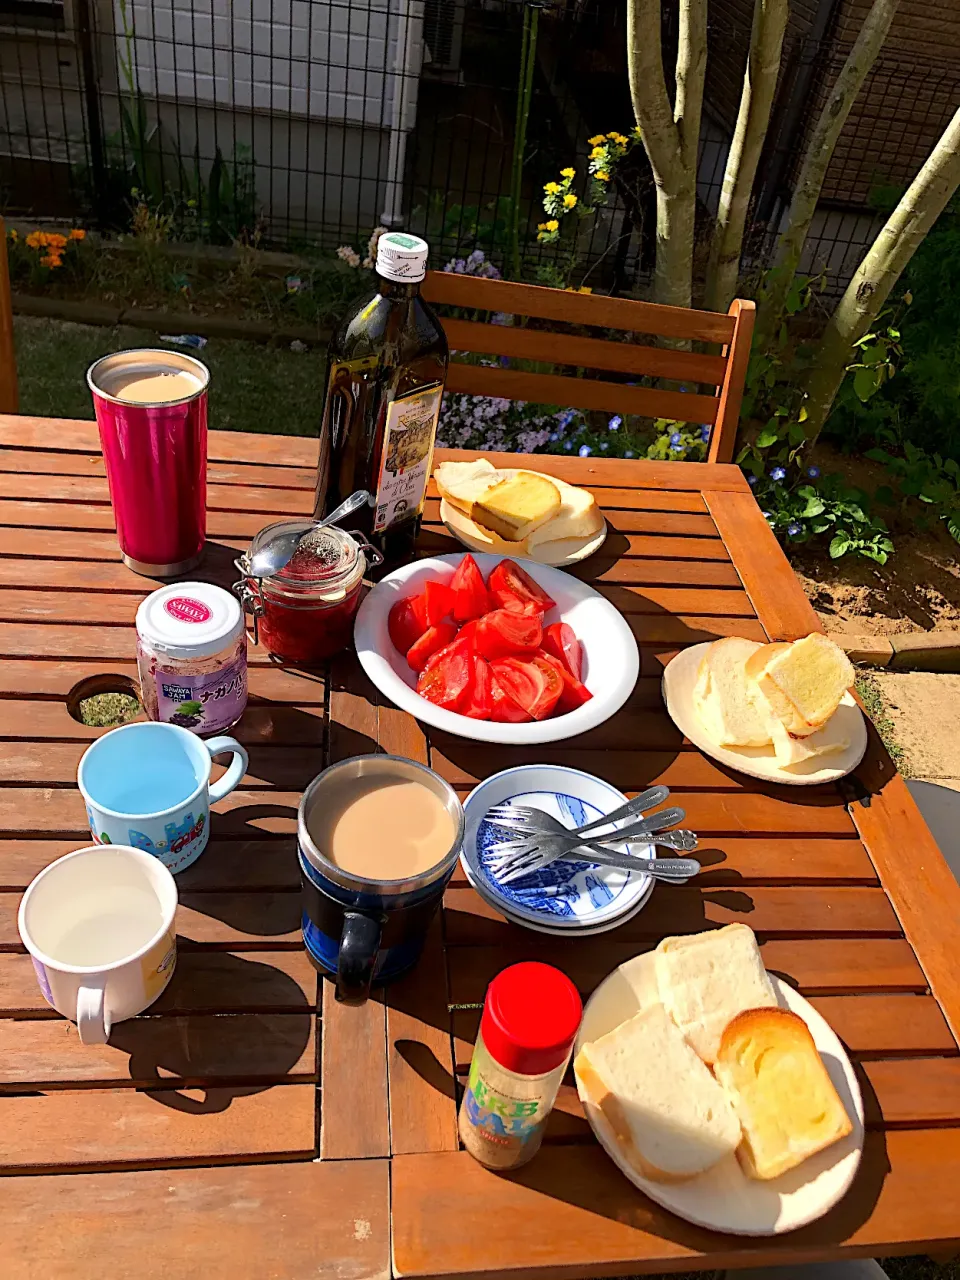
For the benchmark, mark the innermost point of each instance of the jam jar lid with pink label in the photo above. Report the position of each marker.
(189, 620)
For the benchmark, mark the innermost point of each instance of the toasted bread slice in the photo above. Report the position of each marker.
(731, 707)
(803, 682)
(782, 1092)
(706, 979)
(670, 1117)
(517, 506)
(464, 483)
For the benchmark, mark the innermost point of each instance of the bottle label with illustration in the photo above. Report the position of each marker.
(207, 703)
(498, 1117)
(407, 456)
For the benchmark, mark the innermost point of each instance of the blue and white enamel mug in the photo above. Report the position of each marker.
(359, 930)
(148, 786)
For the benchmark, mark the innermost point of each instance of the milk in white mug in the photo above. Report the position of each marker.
(99, 926)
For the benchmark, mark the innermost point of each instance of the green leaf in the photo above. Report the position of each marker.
(865, 384)
(796, 433)
(953, 527)
(839, 545)
(878, 455)
(767, 437)
(815, 507)
(802, 416)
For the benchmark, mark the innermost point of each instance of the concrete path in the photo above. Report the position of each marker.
(924, 708)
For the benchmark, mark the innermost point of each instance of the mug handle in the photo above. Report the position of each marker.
(238, 766)
(93, 1021)
(359, 944)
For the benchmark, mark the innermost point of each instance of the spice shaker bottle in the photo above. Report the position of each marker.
(531, 1016)
(192, 657)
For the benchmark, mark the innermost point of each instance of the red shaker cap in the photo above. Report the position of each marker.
(530, 1018)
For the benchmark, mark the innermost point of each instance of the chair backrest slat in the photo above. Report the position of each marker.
(585, 353)
(580, 393)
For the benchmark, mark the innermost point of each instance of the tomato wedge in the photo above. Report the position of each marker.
(470, 596)
(433, 639)
(439, 600)
(478, 704)
(533, 683)
(468, 632)
(560, 641)
(446, 682)
(574, 693)
(407, 621)
(512, 587)
(502, 633)
(503, 709)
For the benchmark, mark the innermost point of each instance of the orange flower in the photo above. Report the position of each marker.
(77, 234)
(57, 242)
(51, 259)
(35, 239)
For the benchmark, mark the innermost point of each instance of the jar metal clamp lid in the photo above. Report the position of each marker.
(326, 566)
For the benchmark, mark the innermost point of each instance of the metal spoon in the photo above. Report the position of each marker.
(278, 553)
(535, 818)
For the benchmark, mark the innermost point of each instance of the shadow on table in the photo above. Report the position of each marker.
(194, 1049)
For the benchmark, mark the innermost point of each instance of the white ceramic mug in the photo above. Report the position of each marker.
(98, 924)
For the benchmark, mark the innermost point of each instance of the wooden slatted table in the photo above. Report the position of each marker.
(248, 1124)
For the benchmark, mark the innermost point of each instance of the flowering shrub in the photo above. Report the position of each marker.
(346, 253)
(47, 247)
(509, 426)
(607, 150)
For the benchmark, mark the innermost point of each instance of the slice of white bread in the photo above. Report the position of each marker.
(669, 1115)
(793, 751)
(518, 505)
(464, 483)
(706, 979)
(579, 516)
(782, 1092)
(803, 682)
(730, 706)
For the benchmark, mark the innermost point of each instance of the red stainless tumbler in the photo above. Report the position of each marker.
(151, 409)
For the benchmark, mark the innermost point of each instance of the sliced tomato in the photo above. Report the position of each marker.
(461, 643)
(560, 640)
(501, 633)
(534, 683)
(478, 704)
(446, 682)
(432, 640)
(512, 587)
(503, 709)
(439, 599)
(468, 632)
(574, 693)
(407, 621)
(470, 596)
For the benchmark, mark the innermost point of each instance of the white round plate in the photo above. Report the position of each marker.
(567, 896)
(679, 678)
(611, 660)
(724, 1198)
(559, 552)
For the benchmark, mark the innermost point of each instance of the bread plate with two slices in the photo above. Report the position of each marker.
(781, 712)
(717, 1089)
(514, 511)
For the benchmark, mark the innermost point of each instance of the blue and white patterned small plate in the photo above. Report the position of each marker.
(567, 896)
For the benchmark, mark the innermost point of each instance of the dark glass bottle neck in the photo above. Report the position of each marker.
(396, 289)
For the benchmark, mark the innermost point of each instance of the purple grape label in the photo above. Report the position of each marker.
(207, 703)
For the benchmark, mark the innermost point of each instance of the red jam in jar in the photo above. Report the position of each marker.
(304, 612)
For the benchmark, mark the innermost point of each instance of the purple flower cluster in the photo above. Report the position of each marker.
(475, 264)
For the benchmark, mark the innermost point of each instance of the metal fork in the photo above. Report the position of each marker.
(639, 804)
(675, 870)
(547, 825)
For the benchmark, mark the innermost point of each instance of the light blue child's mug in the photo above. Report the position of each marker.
(148, 785)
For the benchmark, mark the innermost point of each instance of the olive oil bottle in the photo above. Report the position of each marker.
(387, 364)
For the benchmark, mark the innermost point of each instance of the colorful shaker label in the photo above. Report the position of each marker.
(407, 454)
(207, 703)
(498, 1116)
(43, 980)
(178, 846)
(187, 609)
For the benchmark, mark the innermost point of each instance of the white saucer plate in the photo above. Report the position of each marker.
(679, 679)
(724, 1198)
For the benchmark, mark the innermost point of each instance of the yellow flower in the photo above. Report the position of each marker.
(569, 200)
(597, 153)
(585, 288)
(595, 141)
(35, 239)
(552, 225)
(568, 173)
(77, 234)
(13, 235)
(602, 176)
(619, 139)
(552, 188)
(541, 226)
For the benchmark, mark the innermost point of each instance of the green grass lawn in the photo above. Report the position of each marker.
(254, 387)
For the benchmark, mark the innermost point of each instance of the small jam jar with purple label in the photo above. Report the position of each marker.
(192, 657)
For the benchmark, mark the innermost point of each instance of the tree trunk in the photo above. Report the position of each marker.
(670, 134)
(816, 159)
(921, 205)
(756, 101)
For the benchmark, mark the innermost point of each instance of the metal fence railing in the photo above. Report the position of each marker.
(296, 122)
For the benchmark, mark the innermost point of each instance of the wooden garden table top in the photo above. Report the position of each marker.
(193, 1139)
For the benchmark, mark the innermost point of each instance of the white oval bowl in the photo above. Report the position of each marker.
(611, 659)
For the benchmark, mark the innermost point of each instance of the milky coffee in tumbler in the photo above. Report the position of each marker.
(151, 409)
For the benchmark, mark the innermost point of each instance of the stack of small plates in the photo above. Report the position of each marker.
(569, 898)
